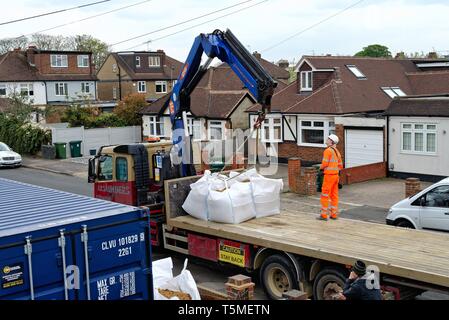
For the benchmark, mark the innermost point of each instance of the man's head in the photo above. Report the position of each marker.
(359, 268)
(332, 140)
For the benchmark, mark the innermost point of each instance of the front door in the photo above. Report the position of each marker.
(434, 213)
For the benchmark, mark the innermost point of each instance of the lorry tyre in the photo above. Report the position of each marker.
(326, 281)
(405, 224)
(278, 275)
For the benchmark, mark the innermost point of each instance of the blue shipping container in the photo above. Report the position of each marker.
(58, 245)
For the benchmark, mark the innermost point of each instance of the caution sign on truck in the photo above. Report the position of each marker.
(233, 253)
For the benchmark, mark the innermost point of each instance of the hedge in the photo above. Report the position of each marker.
(22, 137)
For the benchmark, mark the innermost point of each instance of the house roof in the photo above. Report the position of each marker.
(274, 70)
(14, 67)
(420, 106)
(216, 96)
(165, 74)
(344, 93)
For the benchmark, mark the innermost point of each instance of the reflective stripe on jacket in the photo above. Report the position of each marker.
(331, 163)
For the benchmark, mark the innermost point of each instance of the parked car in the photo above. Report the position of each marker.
(429, 209)
(9, 158)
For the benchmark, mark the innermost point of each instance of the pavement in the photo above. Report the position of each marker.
(75, 167)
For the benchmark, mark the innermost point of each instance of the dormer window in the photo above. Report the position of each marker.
(306, 80)
(393, 92)
(154, 61)
(137, 62)
(355, 71)
(59, 61)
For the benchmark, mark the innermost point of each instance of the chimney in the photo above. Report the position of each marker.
(400, 55)
(257, 55)
(432, 55)
(18, 49)
(160, 51)
(284, 64)
(30, 53)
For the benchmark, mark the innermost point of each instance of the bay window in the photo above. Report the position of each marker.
(419, 138)
(315, 132)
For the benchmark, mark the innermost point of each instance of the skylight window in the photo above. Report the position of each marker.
(393, 92)
(356, 71)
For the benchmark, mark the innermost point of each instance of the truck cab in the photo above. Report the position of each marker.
(131, 174)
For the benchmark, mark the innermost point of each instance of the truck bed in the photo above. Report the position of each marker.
(412, 254)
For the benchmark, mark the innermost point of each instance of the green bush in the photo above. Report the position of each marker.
(21, 136)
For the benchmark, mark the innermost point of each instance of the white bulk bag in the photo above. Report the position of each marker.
(266, 195)
(196, 201)
(232, 205)
(163, 279)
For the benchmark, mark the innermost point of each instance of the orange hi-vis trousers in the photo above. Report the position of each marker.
(329, 196)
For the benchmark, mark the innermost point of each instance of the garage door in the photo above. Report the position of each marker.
(364, 147)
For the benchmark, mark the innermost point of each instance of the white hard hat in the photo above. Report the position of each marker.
(334, 138)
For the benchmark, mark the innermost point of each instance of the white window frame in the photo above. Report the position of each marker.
(138, 64)
(114, 67)
(328, 128)
(82, 58)
(65, 89)
(142, 87)
(393, 92)
(29, 88)
(271, 126)
(152, 125)
(3, 87)
(154, 61)
(114, 93)
(218, 124)
(194, 123)
(84, 86)
(306, 85)
(425, 131)
(163, 84)
(356, 71)
(59, 61)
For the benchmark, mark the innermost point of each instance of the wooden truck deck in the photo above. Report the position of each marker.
(419, 255)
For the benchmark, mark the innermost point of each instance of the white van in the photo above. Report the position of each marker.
(428, 209)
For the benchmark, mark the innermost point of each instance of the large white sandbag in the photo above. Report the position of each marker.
(232, 205)
(267, 196)
(196, 201)
(247, 175)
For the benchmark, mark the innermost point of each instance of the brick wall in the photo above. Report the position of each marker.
(307, 182)
(363, 173)
(290, 149)
(43, 63)
(320, 78)
(294, 171)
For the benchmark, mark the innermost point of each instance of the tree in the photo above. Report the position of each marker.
(99, 48)
(375, 51)
(129, 109)
(9, 44)
(84, 42)
(19, 107)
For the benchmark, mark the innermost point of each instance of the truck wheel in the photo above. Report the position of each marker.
(327, 281)
(278, 275)
(405, 224)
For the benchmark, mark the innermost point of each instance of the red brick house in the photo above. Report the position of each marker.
(346, 96)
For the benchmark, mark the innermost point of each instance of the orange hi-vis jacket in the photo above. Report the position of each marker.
(331, 163)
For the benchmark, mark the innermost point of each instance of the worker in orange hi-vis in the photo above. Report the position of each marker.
(331, 165)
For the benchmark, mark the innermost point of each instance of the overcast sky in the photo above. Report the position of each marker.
(402, 25)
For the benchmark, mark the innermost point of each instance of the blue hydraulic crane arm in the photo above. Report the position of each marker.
(226, 47)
